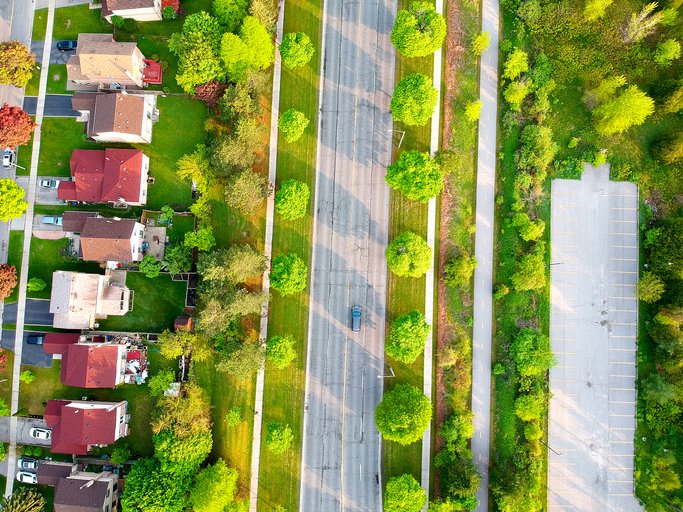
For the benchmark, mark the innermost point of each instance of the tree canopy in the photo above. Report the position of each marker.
(279, 437)
(182, 342)
(404, 494)
(530, 273)
(236, 264)
(666, 254)
(202, 239)
(8, 280)
(150, 266)
(414, 100)
(15, 127)
(458, 271)
(530, 350)
(516, 63)
(149, 488)
(230, 13)
(408, 255)
(23, 499)
(419, 30)
(12, 204)
(214, 488)
(416, 175)
(292, 124)
(281, 350)
(296, 50)
(403, 414)
(407, 337)
(246, 190)
(16, 63)
(253, 48)
(630, 108)
(288, 274)
(291, 200)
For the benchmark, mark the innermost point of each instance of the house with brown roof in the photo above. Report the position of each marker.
(77, 490)
(97, 361)
(78, 426)
(117, 176)
(102, 63)
(117, 117)
(140, 10)
(112, 240)
(78, 300)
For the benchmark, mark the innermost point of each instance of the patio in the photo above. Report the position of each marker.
(154, 241)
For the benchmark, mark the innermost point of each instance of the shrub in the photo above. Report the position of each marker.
(291, 201)
(407, 337)
(667, 52)
(289, 274)
(459, 271)
(168, 13)
(281, 351)
(27, 376)
(480, 43)
(35, 284)
(296, 50)
(234, 416)
(650, 287)
(404, 494)
(279, 437)
(292, 124)
(408, 255)
(117, 21)
(473, 111)
(150, 266)
(160, 382)
(120, 454)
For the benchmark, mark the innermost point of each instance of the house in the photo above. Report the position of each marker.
(117, 117)
(97, 361)
(79, 300)
(117, 176)
(102, 63)
(77, 425)
(77, 490)
(106, 239)
(140, 10)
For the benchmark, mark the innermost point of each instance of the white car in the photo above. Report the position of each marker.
(7, 157)
(26, 477)
(26, 463)
(48, 183)
(40, 433)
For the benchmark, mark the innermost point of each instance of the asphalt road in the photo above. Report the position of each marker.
(31, 354)
(37, 313)
(341, 452)
(56, 105)
(16, 22)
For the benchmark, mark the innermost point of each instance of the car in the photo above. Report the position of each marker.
(26, 477)
(40, 433)
(55, 220)
(356, 313)
(25, 463)
(35, 339)
(67, 46)
(7, 157)
(49, 183)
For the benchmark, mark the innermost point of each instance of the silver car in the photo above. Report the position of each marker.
(48, 183)
(7, 158)
(55, 220)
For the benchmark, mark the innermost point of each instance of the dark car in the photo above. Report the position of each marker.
(35, 339)
(67, 46)
(356, 313)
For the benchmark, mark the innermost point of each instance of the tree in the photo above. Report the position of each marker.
(214, 488)
(407, 337)
(237, 151)
(230, 13)
(457, 430)
(527, 228)
(414, 100)
(292, 124)
(242, 360)
(416, 175)
(16, 63)
(35, 284)
(210, 92)
(246, 191)
(177, 259)
(642, 24)
(669, 150)
(120, 454)
(12, 204)
(296, 50)
(197, 167)
(185, 414)
(241, 100)
(674, 102)
(149, 488)
(265, 12)
(252, 49)
(202, 239)
(279, 437)
(234, 416)
(458, 271)
(150, 266)
(27, 376)
(459, 479)
(4, 408)
(530, 273)
(288, 274)
(666, 254)
(23, 499)
(595, 9)
(537, 148)
(473, 111)
(408, 255)
(403, 414)
(175, 344)
(404, 494)
(8, 280)
(234, 265)
(419, 30)
(530, 350)
(160, 382)
(516, 92)
(281, 351)
(650, 287)
(223, 305)
(529, 407)
(291, 201)
(667, 52)
(15, 127)
(480, 43)
(517, 62)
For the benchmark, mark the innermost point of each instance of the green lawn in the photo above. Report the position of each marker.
(56, 79)
(181, 225)
(24, 157)
(6, 377)
(14, 256)
(40, 25)
(34, 83)
(59, 137)
(284, 389)
(71, 21)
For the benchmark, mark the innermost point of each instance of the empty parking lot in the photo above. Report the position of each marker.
(593, 317)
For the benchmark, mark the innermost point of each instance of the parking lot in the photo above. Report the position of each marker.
(593, 329)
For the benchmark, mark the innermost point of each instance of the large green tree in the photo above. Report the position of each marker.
(288, 274)
(242, 359)
(530, 273)
(292, 124)
(630, 108)
(151, 489)
(537, 148)
(16, 63)
(291, 200)
(419, 30)
(404, 494)
(666, 254)
(595, 9)
(230, 13)
(281, 350)
(416, 175)
(516, 63)
(253, 48)
(182, 342)
(650, 287)
(296, 50)
(236, 152)
(530, 350)
(279, 437)
(246, 191)
(236, 264)
(12, 204)
(408, 255)
(403, 414)
(414, 100)
(407, 337)
(214, 488)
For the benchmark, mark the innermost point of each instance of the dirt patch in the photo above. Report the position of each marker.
(453, 56)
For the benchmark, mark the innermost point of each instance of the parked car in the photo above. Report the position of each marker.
(7, 157)
(40, 433)
(67, 46)
(53, 219)
(356, 313)
(25, 477)
(35, 339)
(49, 183)
(25, 463)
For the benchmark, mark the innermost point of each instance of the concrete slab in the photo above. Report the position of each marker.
(48, 195)
(593, 327)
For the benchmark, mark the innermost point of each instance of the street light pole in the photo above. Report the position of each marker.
(387, 376)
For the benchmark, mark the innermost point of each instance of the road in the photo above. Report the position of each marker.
(56, 105)
(341, 452)
(37, 313)
(483, 252)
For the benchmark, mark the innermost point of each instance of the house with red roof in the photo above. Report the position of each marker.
(97, 361)
(78, 426)
(116, 176)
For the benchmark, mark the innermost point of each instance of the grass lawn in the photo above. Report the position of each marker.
(71, 21)
(156, 305)
(24, 156)
(181, 224)
(6, 377)
(40, 25)
(14, 256)
(34, 83)
(59, 137)
(284, 389)
(56, 79)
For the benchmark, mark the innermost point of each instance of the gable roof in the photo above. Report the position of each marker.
(73, 222)
(104, 239)
(50, 472)
(99, 57)
(120, 113)
(77, 495)
(90, 366)
(109, 6)
(58, 342)
(101, 176)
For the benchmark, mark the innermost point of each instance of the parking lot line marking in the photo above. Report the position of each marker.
(627, 363)
(622, 221)
(619, 494)
(621, 428)
(619, 375)
(623, 247)
(623, 284)
(624, 208)
(626, 336)
(621, 415)
(624, 310)
(623, 272)
(623, 323)
(618, 468)
(616, 402)
(622, 349)
(621, 442)
(623, 259)
(619, 482)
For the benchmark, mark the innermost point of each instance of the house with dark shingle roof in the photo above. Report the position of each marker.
(117, 176)
(117, 117)
(106, 239)
(77, 426)
(79, 491)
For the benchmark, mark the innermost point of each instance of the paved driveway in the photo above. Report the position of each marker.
(56, 105)
(37, 313)
(30, 354)
(593, 327)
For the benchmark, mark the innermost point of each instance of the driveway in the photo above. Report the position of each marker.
(48, 195)
(56, 105)
(37, 313)
(30, 354)
(23, 426)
